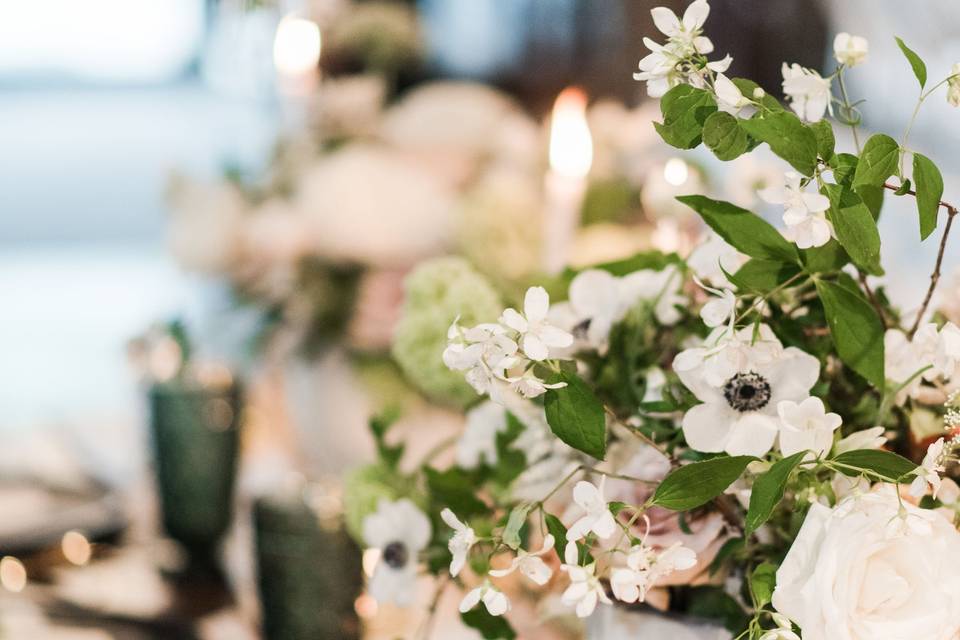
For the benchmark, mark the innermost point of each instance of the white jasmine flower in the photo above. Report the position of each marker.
(808, 92)
(483, 351)
(585, 589)
(850, 50)
(739, 415)
(656, 380)
(729, 97)
(460, 543)
(871, 438)
(537, 334)
(843, 577)
(953, 86)
(478, 443)
(645, 567)
(530, 564)
(928, 473)
(806, 426)
(597, 517)
(668, 65)
(947, 356)
(712, 256)
(493, 599)
(400, 531)
(721, 310)
(784, 630)
(804, 215)
(530, 386)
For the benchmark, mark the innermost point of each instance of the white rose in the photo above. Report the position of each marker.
(871, 569)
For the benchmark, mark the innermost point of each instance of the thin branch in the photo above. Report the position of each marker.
(873, 299)
(952, 212)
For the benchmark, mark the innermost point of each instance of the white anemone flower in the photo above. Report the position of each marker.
(538, 335)
(493, 599)
(804, 212)
(808, 92)
(806, 426)
(460, 543)
(585, 589)
(530, 564)
(663, 288)
(928, 473)
(597, 517)
(400, 531)
(739, 415)
(478, 442)
(850, 50)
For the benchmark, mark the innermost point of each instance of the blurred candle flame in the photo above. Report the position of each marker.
(571, 147)
(296, 46)
(13, 575)
(76, 548)
(676, 172)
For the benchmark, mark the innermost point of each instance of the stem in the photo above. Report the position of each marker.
(770, 293)
(913, 118)
(847, 109)
(952, 212)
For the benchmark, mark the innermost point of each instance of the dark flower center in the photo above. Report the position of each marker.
(581, 330)
(396, 555)
(747, 391)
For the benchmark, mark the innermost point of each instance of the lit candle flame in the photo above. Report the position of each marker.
(296, 46)
(571, 147)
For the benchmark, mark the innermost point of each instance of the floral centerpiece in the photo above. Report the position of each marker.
(732, 438)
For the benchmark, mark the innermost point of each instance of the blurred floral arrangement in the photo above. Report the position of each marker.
(753, 433)
(320, 243)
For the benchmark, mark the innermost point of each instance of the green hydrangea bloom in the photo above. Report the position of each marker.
(437, 292)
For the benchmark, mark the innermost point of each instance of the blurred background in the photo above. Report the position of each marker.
(207, 212)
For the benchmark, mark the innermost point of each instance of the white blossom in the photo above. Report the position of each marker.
(597, 517)
(804, 212)
(537, 334)
(947, 357)
(720, 310)
(670, 64)
(530, 564)
(808, 92)
(478, 443)
(645, 567)
(585, 589)
(530, 386)
(400, 531)
(928, 473)
(953, 86)
(784, 630)
(806, 426)
(493, 599)
(729, 97)
(871, 438)
(460, 543)
(850, 50)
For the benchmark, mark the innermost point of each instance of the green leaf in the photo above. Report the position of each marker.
(903, 189)
(916, 63)
(763, 276)
(856, 330)
(878, 161)
(929, 191)
(828, 258)
(453, 488)
(518, 518)
(716, 604)
(743, 229)
(844, 167)
(855, 227)
(684, 109)
(695, 484)
(788, 137)
(826, 141)
(728, 549)
(768, 491)
(379, 425)
(883, 465)
(723, 135)
(575, 415)
(763, 580)
(490, 627)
